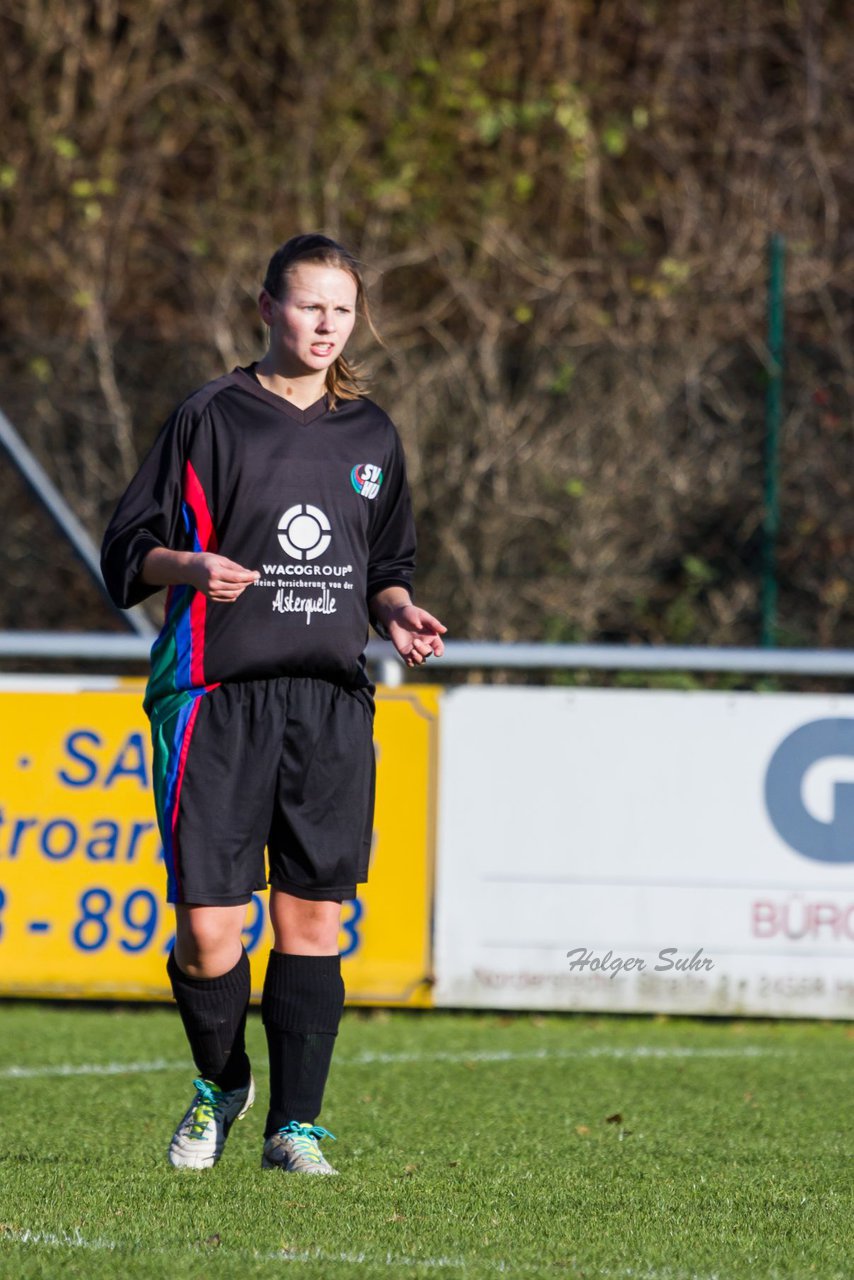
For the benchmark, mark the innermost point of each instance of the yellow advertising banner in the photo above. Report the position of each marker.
(82, 878)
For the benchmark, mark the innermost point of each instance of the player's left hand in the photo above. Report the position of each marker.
(415, 634)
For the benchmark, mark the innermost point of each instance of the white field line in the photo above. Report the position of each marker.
(554, 1055)
(90, 1069)
(498, 1267)
(76, 1240)
(63, 1239)
(640, 1051)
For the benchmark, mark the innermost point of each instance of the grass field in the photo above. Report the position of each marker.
(469, 1146)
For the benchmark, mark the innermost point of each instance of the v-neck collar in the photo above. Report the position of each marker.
(301, 416)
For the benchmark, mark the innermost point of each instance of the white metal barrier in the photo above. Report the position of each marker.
(100, 646)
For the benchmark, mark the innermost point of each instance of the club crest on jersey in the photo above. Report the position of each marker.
(366, 479)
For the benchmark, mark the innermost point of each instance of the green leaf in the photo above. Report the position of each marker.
(563, 379)
(523, 185)
(698, 570)
(65, 148)
(40, 368)
(674, 270)
(614, 139)
(572, 118)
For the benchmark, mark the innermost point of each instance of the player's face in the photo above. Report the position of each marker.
(310, 326)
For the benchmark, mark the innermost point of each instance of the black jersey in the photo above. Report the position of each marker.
(315, 500)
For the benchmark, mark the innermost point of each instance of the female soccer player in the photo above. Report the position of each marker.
(274, 506)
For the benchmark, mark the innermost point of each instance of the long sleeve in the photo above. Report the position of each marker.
(149, 514)
(392, 532)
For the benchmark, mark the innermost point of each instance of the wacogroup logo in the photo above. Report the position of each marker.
(800, 776)
(304, 532)
(366, 479)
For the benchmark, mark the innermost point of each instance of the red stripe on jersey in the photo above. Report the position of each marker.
(194, 496)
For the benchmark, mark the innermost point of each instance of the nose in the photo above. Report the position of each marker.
(326, 322)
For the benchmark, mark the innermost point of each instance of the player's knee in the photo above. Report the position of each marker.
(308, 927)
(208, 941)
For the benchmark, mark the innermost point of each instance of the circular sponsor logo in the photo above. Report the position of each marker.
(304, 532)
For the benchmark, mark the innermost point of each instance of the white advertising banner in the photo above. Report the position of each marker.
(645, 851)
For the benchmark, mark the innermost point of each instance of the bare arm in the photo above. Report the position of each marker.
(215, 576)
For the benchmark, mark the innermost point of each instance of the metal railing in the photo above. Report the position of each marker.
(107, 647)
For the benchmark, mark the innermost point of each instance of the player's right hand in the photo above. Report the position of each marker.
(219, 578)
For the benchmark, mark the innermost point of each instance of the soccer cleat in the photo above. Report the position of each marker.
(200, 1137)
(295, 1149)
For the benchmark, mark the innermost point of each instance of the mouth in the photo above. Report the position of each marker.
(322, 348)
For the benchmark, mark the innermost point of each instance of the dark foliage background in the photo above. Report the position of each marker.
(564, 207)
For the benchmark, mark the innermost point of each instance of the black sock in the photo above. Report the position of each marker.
(213, 1011)
(301, 1007)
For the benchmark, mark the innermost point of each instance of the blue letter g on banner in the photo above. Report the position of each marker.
(824, 841)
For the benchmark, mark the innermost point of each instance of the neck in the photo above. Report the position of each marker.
(302, 390)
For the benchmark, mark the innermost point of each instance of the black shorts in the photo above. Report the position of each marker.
(286, 763)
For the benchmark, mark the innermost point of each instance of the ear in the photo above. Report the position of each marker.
(267, 307)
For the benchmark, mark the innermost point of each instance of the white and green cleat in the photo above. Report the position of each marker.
(198, 1141)
(296, 1149)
